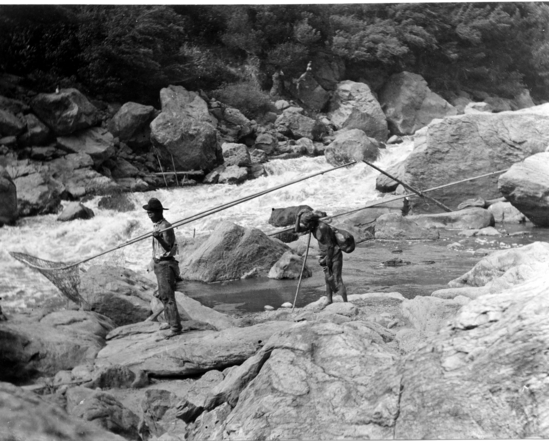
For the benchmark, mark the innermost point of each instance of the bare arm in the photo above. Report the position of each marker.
(166, 239)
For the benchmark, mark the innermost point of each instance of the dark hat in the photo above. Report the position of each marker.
(154, 205)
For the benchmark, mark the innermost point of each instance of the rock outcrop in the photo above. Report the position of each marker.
(472, 145)
(353, 106)
(296, 125)
(131, 124)
(65, 112)
(75, 210)
(526, 186)
(351, 145)
(185, 131)
(409, 104)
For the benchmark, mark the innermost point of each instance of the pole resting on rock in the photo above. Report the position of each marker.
(419, 193)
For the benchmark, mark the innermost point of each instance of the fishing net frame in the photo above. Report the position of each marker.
(64, 275)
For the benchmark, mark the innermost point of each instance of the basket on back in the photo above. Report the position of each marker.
(65, 276)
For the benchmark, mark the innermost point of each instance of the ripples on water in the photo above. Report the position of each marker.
(44, 237)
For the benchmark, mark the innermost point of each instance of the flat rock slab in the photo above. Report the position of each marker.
(188, 354)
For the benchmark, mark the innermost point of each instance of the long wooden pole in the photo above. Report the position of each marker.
(409, 187)
(208, 212)
(302, 269)
(396, 198)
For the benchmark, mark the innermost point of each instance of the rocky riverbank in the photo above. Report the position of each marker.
(381, 366)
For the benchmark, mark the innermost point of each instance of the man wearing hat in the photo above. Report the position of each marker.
(331, 257)
(165, 266)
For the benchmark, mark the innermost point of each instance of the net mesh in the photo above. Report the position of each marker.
(66, 278)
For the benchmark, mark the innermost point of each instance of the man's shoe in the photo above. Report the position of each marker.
(172, 334)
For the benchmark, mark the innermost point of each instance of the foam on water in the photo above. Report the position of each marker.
(44, 237)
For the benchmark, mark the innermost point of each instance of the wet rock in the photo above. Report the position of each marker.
(486, 142)
(8, 196)
(185, 131)
(75, 210)
(118, 293)
(283, 217)
(289, 267)
(469, 218)
(27, 416)
(232, 174)
(65, 112)
(351, 145)
(131, 124)
(475, 107)
(395, 226)
(258, 156)
(386, 184)
(185, 355)
(60, 340)
(353, 106)
(525, 185)
(102, 410)
(236, 154)
(247, 248)
(409, 104)
(505, 212)
(96, 142)
(488, 231)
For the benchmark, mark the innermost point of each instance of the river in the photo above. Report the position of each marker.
(335, 192)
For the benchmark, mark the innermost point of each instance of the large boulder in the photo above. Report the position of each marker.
(505, 212)
(43, 346)
(351, 145)
(395, 226)
(37, 191)
(65, 112)
(353, 106)
(184, 131)
(232, 124)
(10, 124)
(37, 132)
(409, 104)
(96, 142)
(230, 252)
(27, 416)
(468, 218)
(141, 346)
(472, 145)
(266, 142)
(131, 124)
(296, 125)
(232, 174)
(289, 267)
(8, 196)
(309, 92)
(526, 186)
(118, 293)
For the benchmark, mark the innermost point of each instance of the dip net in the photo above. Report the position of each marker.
(65, 276)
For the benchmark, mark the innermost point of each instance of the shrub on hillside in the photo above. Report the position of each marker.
(246, 97)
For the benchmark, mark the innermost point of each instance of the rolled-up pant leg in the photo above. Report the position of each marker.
(165, 277)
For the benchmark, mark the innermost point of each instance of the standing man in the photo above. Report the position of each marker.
(165, 266)
(331, 257)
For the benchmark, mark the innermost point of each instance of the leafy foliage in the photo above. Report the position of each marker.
(128, 52)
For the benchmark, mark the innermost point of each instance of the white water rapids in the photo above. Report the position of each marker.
(44, 237)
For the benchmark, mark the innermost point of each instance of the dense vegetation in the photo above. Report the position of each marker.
(122, 52)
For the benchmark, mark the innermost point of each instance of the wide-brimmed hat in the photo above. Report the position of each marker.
(154, 205)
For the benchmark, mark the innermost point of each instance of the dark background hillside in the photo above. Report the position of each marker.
(127, 53)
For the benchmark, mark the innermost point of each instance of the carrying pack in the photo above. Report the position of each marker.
(345, 240)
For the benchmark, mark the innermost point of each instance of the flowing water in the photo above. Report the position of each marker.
(335, 192)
